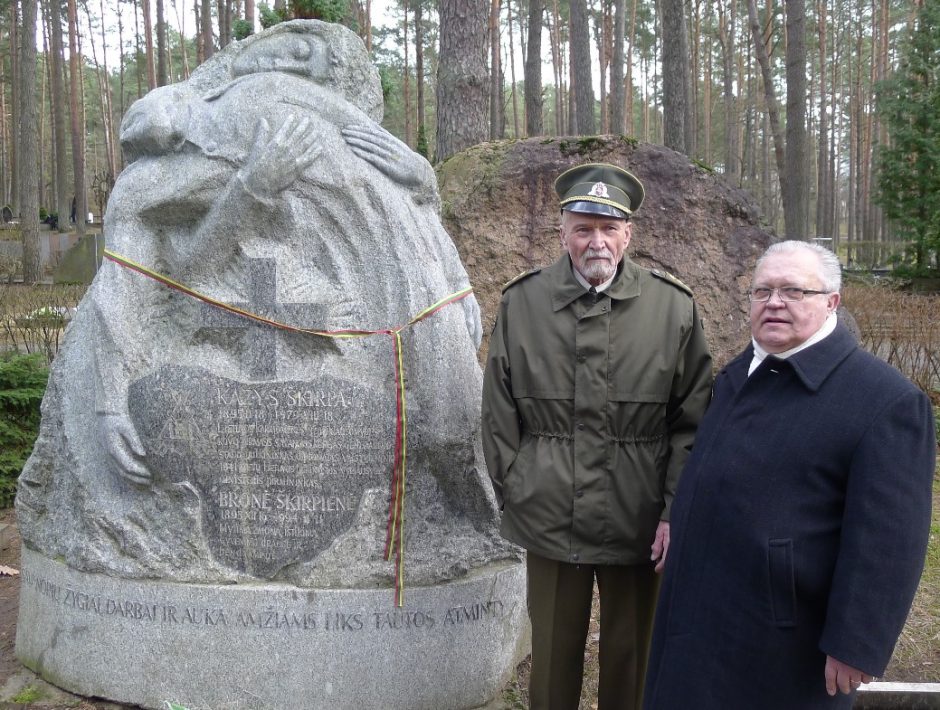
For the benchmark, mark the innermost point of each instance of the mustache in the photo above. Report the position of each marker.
(597, 254)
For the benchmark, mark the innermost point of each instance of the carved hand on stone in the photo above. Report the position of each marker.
(471, 310)
(377, 146)
(117, 434)
(277, 162)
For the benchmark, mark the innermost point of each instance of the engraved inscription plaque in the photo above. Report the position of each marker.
(280, 467)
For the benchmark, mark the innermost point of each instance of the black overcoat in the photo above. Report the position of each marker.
(798, 531)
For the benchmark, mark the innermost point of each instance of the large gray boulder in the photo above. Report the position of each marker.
(199, 474)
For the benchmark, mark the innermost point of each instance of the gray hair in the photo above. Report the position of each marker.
(830, 270)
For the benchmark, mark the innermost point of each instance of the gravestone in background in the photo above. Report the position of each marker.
(206, 511)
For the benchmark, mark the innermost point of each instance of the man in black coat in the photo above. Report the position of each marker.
(802, 517)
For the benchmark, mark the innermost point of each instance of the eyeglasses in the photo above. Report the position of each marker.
(762, 294)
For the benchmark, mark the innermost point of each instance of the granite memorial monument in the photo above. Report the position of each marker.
(258, 481)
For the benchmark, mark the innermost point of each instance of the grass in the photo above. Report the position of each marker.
(29, 694)
(917, 656)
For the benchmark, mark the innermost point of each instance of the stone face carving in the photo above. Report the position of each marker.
(183, 442)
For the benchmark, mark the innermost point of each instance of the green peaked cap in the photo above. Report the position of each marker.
(599, 184)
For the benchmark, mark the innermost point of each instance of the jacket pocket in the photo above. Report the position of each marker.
(637, 417)
(782, 582)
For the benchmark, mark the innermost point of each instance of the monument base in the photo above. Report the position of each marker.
(274, 646)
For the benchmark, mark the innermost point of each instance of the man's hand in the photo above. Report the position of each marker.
(119, 438)
(660, 545)
(843, 678)
(277, 162)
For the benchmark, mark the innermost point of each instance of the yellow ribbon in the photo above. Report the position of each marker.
(394, 540)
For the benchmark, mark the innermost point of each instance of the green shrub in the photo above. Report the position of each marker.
(326, 10)
(269, 17)
(422, 146)
(22, 384)
(241, 29)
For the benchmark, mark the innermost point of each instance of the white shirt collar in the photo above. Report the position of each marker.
(825, 329)
(587, 285)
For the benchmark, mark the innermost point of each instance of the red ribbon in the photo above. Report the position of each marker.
(394, 536)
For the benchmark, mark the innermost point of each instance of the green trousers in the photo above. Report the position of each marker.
(559, 601)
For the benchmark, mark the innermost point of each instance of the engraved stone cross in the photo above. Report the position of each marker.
(259, 360)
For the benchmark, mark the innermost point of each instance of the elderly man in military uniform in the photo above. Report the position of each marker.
(596, 378)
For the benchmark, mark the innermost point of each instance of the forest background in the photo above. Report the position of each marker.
(825, 110)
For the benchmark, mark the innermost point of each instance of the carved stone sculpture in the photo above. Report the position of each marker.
(255, 417)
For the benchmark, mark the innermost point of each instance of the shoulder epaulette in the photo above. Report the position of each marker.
(520, 277)
(670, 279)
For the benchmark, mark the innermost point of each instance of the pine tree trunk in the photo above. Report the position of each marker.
(181, 22)
(557, 69)
(77, 115)
(796, 197)
(707, 78)
(15, 110)
(114, 149)
(461, 76)
(208, 47)
(645, 102)
(580, 43)
(692, 85)
(406, 76)
(29, 146)
(617, 123)
(512, 71)
(162, 70)
(833, 218)
(676, 72)
(726, 37)
(40, 111)
(770, 96)
(223, 8)
(138, 54)
(628, 81)
(250, 16)
(60, 125)
(822, 157)
(121, 73)
(148, 42)
(602, 40)
(495, 86)
(5, 174)
(419, 77)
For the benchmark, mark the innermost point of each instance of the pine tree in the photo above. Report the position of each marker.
(909, 166)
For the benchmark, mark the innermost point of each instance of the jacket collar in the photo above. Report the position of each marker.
(812, 365)
(566, 289)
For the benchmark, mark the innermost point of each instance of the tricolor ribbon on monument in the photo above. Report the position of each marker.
(394, 536)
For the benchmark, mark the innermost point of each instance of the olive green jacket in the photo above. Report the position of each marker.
(590, 409)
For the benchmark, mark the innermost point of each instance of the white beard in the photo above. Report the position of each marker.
(594, 269)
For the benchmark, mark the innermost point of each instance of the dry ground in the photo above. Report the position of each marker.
(916, 659)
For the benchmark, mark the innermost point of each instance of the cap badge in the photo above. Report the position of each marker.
(599, 190)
